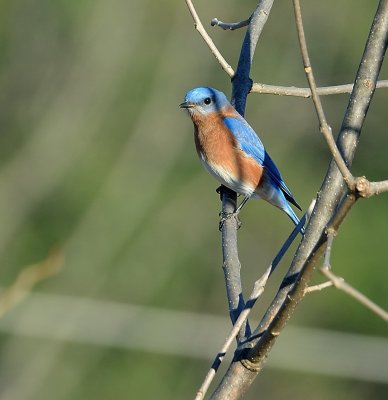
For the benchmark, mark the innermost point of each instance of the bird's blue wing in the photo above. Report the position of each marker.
(246, 138)
(250, 143)
(273, 172)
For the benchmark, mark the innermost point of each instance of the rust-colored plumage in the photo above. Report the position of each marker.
(232, 152)
(217, 146)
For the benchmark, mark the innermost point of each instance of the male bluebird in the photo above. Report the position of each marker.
(232, 152)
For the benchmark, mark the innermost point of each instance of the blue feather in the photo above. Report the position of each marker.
(251, 144)
(246, 138)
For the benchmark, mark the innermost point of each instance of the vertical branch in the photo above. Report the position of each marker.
(242, 83)
(241, 86)
(248, 363)
(231, 263)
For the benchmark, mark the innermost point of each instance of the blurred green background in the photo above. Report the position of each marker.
(96, 157)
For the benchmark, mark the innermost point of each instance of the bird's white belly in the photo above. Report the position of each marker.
(228, 179)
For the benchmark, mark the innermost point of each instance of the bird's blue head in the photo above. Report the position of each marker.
(204, 100)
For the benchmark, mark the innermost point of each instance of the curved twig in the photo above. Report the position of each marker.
(231, 26)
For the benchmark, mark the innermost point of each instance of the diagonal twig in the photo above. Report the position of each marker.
(208, 40)
(324, 126)
(339, 283)
(257, 291)
(247, 363)
(262, 87)
(242, 318)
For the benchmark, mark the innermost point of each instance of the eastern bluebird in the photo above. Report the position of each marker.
(232, 152)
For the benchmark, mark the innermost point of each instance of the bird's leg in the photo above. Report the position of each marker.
(225, 216)
(242, 204)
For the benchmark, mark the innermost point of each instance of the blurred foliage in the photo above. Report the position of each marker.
(95, 155)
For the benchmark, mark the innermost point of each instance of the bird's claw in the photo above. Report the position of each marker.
(225, 216)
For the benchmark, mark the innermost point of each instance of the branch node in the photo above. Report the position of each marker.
(250, 366)
(367, 83)
(331, 231)
(362, 187)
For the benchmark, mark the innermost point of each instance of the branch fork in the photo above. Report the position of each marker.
(333, 202)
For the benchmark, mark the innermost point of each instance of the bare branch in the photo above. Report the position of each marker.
(367, 189)
(324, 126)
(208, 40)
(258, 289)
(231, 263)
(248, 362)
(302, 222)
(263, 88)
(340, 284)
(318, 287)
(242, 83)
(231, 26)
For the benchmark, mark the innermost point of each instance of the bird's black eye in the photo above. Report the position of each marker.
(207, 101)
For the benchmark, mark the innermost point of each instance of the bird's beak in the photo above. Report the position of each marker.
(186, 104)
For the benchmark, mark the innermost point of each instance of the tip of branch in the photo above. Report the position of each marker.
(214, 22)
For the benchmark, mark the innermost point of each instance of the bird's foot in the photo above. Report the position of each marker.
(225, 216)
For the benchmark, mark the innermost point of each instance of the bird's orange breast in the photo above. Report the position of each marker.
(218, 148)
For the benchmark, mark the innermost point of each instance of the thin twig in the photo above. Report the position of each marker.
(257, 87)
(263, 88)
(208, 40)
(324, 126)
(256, 293)
(292, 236)
(231, 26)
(340, 284)
(246, 365)
(320, 286)
(366, 188)
(376, 188)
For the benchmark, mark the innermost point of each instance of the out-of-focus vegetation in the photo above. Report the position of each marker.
(96, 156)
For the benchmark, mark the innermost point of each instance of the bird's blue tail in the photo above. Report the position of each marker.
(290, 212)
